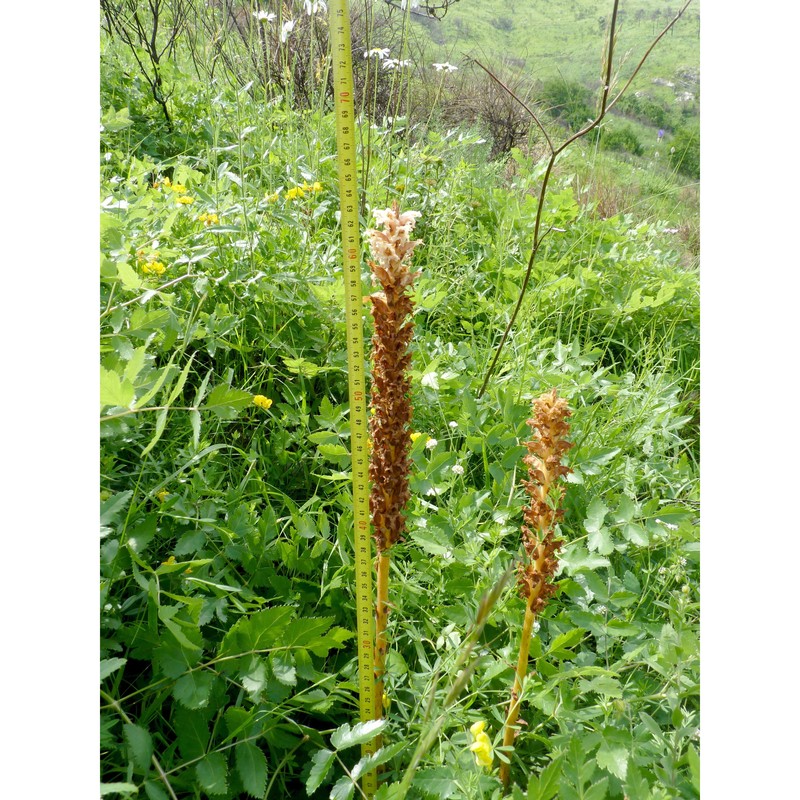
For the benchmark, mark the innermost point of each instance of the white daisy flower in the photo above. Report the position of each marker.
(381, 52)
(265, 16)
(313, 6)
(445, 67)
(286, 29)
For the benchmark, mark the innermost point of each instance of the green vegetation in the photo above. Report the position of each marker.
(227, 579)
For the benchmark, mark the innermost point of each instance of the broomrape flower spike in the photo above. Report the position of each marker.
(392, 309)
(546, 449)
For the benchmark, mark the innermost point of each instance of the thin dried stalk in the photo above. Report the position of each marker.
(546, 449)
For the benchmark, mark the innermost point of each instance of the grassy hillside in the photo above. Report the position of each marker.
(565, 37)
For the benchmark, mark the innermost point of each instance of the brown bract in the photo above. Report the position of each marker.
(392, 310)
(546, 448)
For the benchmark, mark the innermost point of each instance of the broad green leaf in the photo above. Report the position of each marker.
(193, 689)
(109, 665)
(436, 782)
(117, 788)
(636, 534)
(191, 731)
(560, 646)
(597, 791)
(212, 773)
(252, 766)
(575, 557)
(600, 541)
(128, 276)
(282, 663)
(345, 736)
(636, 786)
(111, 508)
(155, 790)
(390, 791)
(602, 684)
(343, 789)
(374, 760)
(260, 631)
(614, 758)
(114, 390)
(432, 541)
(625, 510)
(595, 514)
(140, 744)
(226, 402)
(320, 765)
(546, 785)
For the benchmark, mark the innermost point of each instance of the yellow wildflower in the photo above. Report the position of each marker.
(400, 187)
(154, 268)
(178, 187)
(208, 219)
(415, 435)
(185, 200)
(162, 495)
(169, 562)
(317, 187)
(162, 182)
(386, 702)
(297, 191)
(273, 198)
(481, 747)
(262, 402)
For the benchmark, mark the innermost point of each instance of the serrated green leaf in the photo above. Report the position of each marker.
(560, 646)
(161, 421)
(155, 791)
(390, 791)
(597, 791)
(374, 760)
(600, 541)
(320, 765)
(595, 514)
(345, 736)
(111, 508)
(212, 773)
(173, 396)
(259, 631)
(191, 731)
(115, 390)
(343, 789)
(141, 745)
(575, 557)
(109, 665)
(128, 276)
(437, 782)
(154, 389)
(545, 786)
(193, 689)
(614, 758)
(636, 534)
(118, 788)
(693, 759)
(602, 684)
(251, 764)
(226, 402)
(282, 663)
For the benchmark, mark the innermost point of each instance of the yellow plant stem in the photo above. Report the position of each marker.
(519, 677)
(381, 618)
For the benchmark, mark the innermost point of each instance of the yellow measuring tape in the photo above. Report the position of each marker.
(351, 250)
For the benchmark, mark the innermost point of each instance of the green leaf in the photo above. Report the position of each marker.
(193, 689)
(614, 758)
(114, 390)
(118, 788)
(374, 760)
(437, 781)
(600, 541)
(282, 663)
(252, 766)
(155, 790)
(191, 731)
(109, 665)
(226, 402)
(111, 508)
(602, 684)
(140, 744)
(128, 276)
(212, 773)
(595, 514)
(161, 421)
(694, 766)
(575, 557)
(636, 534)
(345, 736)
(260, 631)
(546, 785)
(320, 765)
(560, 646)
(597, 791)
(342, 789)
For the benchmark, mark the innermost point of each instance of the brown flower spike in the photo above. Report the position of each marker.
(546, 448)
(392, 310)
